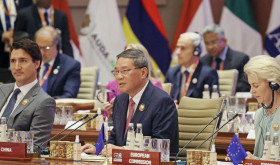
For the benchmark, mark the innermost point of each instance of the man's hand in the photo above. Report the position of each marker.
(109, 108)
(109, 149)
(89, 149)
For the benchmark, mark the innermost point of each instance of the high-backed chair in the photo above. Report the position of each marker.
(227, 81)
(167, 87)
(89, 79)
(193, 115)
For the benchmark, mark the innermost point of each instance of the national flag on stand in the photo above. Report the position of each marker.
(272, 38)
(240, 27)
(101, 37)
(235, 151)
(195, 15)
(62, 5)
(143, 24)
(100, 141)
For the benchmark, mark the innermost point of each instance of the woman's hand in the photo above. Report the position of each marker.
(250, 155)
(89, 149)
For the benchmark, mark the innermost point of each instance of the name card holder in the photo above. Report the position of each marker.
(259, 162)
(13, 151)
(135, 157)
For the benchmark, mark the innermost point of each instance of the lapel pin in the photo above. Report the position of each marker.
(194, 80)
(275, 126)
(55, 71)
(25, 101)
(142, 107)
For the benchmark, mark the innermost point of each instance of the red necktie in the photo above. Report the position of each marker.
(130, 112)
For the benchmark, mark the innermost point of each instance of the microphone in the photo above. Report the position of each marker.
(82, 118)
(271, 104)
(92, 117)
(217, 130)
(217, 115)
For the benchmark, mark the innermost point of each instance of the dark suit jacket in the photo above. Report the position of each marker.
(66, 83)
(28, 20)
(234, 60)
(159, 118)
(202, 75)
(37, 115)
(4, 56)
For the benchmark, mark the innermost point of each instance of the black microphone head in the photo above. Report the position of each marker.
(234, 116)
(84, 117)
(94, 116)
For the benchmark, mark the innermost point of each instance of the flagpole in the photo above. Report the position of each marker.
(106, 161)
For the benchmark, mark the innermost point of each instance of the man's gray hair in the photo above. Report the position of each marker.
(214, 28)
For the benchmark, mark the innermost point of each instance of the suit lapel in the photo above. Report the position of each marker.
(178, 77)
(37, 17)
(53, 77)
(30, 96)
(121, 120)
(227, 64)
(5, 93)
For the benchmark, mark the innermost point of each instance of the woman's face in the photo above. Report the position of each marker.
(260, 89)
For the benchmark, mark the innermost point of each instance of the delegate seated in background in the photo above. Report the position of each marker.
(112, 85)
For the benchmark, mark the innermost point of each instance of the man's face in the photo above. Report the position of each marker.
(129, 78)
(47, 48)
(214, 44)
(23, 68)
(44, 3)
(185, 51)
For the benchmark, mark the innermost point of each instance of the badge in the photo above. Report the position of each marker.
(275, 126)
(55, 71)
(194, 80)
(25, 101)
(142, 107)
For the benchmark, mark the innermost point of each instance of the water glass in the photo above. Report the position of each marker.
(29, 137)
(19, 136)
(241, 105)
(231, 104)
(155, 145)
(147, 143)
(165, 150)
(10, 135)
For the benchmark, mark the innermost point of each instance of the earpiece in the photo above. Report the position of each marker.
(197, 49)
(273, 86)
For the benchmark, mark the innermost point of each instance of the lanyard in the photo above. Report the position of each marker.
(188, 81)
(43, 18)
(46, 76)
(221, 65)
(8, 9)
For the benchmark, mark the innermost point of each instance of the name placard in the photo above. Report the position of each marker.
(135, 157)
(259, 162)
(12, 150)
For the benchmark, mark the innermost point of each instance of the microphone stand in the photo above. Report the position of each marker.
(106, 161)
(217, 130)
(94, 116)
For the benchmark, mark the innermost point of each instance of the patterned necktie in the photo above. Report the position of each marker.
(45, 85)
(218, 62)
(11, 104)
(7, 16)
(130, 112)
(46, 18)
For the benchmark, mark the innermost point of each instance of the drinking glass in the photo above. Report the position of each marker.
(241, 105)
(147, 143)
(165, 150)
(29, 137)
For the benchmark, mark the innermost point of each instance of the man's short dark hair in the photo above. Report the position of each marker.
(30, 47)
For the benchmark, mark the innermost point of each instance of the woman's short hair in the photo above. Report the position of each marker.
(263, 67)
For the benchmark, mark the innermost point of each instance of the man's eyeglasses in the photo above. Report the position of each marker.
(45, 47)
(123, 72)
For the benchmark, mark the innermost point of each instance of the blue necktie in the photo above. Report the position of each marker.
(45, 85)
(46, 18)
(7, 17)
(11, 104)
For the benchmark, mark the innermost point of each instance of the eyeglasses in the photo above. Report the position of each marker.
(46, 47)
(123, 72)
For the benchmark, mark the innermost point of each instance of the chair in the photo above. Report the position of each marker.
(166, 87)
(193, 115)
(89, 79)
(228, 81)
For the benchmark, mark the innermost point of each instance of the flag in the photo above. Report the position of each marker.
(195, 15)
(235, 151)
(62, 5)
(101, 37)
(143, 24)
(100, 141)
(240, 27)
(272, 38)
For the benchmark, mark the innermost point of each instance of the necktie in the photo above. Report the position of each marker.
(7, 17)
(46, 18)
(218, 62)
(186, 74)
(11, 104)
(130, 112)
(45, 85)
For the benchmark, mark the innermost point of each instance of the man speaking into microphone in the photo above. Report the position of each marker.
(141, 102)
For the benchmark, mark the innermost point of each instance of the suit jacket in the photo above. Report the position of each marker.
(201, 76)
(159, 118)
(28, 20)
(66, 82)
(234, 60)
(37, 115)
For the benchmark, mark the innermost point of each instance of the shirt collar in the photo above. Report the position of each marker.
(25, 88)
(189, 69)
(138, 96)
(50, 62)
(223, 55)
(43, 10)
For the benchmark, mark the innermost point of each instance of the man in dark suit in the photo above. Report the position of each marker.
(33, 17)
(59, 74)
(222, 57)
(149, 105)
(189, 78)
(24, 104)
